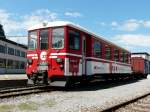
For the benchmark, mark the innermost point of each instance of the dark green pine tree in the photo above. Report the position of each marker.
(2, 33)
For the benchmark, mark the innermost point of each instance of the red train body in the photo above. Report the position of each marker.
(140, 63)
(60, 51)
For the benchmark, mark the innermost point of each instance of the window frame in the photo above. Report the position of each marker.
(37, 39)
(79, 39)
(100, 45)
(51, 38)
(110, 52)
(115, 49)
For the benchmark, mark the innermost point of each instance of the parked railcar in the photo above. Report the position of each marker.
(140, 64)
(63, 51)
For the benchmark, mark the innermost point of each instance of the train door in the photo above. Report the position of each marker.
(43, 48)
(83, 54)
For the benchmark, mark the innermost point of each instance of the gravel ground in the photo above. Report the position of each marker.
(76, 101)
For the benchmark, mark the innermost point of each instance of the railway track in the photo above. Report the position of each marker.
(139, 104)
(24, 91)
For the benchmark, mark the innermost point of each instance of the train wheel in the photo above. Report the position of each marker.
(45, 78)
(69, 82)
(29, 81)
(35, 79)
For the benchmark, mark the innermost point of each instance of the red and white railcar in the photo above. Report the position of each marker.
(64, 51)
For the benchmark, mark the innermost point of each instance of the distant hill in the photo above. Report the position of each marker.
(2, 33)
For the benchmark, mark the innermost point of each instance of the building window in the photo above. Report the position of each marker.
(108, 52)
(17, 52)
(11, 51)
(58, 38)
(23, 54)
(74, 40)
(22, 65)
(10, 64)
(2, 63)
(2, 49)
(97, 49)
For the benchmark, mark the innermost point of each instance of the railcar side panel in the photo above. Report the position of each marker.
(137, 64)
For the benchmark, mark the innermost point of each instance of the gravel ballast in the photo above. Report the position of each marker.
(76, 101)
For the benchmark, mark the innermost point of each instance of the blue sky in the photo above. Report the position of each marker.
(124, 22)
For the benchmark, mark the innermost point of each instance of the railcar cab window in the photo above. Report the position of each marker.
(97, 49)
(108, 52)
(74, 40)
(58, 38)
(43, 39)
(32, 41)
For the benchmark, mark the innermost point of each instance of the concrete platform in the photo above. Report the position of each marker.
(13, 77)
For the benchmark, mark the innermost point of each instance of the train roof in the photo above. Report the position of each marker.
(141, 53)
(76, 26)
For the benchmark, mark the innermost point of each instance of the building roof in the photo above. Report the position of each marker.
(14, 43)
(3, 38)
(76, 26)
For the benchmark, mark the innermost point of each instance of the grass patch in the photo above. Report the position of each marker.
(31, 106)
(49, 103)
(6, 108)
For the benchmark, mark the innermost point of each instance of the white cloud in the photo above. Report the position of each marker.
(19, 39)
(133, 41)
(130, 25)
(9, 24)
(114, 24)
(146, 24)
(73, 14)
(39, 16)
(22, 23)
(102, 24)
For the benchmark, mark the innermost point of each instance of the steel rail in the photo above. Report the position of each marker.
(24, 91)
(113, 108)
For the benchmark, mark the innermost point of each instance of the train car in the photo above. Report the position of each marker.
(63, 51)
(140, 64)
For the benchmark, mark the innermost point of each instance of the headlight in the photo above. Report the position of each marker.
(59, 60)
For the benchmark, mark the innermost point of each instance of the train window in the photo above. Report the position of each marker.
(126, 58)
(58, 38)
(97, 49)
(116, 55)
(43, 39)
(74, 40)
(32, 41)
(122, 56)
(108, 52)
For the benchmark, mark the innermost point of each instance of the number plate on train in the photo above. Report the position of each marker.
(42, 68)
